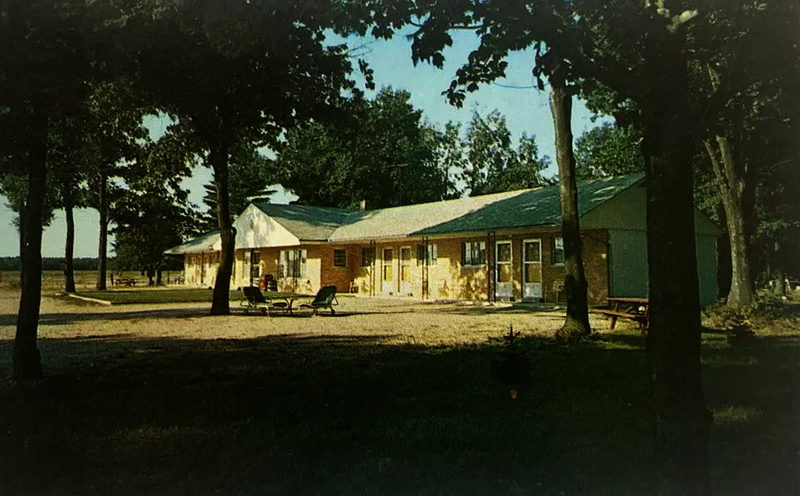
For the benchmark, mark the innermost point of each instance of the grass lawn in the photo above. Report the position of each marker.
(162, 295)
(337, 413)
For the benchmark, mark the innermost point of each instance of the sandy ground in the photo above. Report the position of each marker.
(382, 320)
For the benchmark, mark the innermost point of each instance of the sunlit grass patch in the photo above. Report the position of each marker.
(736, 414)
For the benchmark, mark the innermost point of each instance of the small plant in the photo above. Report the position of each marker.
(512, 367)
(723, 317)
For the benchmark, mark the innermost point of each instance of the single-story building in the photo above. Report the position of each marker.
(503, 246)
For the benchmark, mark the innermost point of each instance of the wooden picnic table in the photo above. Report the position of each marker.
(635, 309)
(124, 281)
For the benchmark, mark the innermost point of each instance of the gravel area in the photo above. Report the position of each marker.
(381, 320)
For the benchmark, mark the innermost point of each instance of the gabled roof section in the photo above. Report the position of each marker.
(209, 241)
(306, 222)
(535, 207)
(512, 209)
(406, 220)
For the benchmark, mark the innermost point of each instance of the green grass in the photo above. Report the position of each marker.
(131, 296)
(162, 295)
(345, 415)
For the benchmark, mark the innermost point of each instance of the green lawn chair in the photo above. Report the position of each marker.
(253, 299)
(326, 298)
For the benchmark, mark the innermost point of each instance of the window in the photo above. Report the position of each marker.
(432, 254)
(473, 253)
(388, 255)
(255, 264)
(293, 263)
(339, 258)
(558, 251)
(367, 256)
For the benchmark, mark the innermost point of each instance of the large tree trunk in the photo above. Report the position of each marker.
(69, 246)
(673, 340)
(102, 245)
(732, 187)
(220, 305)
(576, 324)
(26, 357)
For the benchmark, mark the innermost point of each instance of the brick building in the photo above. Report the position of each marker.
(504, 246)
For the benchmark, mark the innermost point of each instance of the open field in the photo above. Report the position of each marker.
(53, 280)
(387, 397)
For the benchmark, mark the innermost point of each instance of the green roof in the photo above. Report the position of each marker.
(534, 208)
(537, 207)
(306, 222)
(204, 242)
(512, 209)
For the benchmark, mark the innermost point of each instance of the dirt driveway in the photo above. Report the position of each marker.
(382, 320)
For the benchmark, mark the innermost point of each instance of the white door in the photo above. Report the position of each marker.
(387, 275)
(504, 287)
(405, 270)
(532, 269)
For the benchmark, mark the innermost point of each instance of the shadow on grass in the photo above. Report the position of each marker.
(309, 414)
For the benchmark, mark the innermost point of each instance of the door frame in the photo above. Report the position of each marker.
(498, 264)
(525, 262)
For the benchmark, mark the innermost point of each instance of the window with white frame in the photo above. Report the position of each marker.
(557, 251)
(473, 253)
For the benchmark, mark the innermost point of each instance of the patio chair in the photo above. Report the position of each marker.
(325, 298)
(253, 299)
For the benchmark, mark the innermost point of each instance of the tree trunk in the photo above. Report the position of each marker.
(732, 186)
(218, 156)
(102, 245)
(576, 324)
(159, 277)
(26, 357)
(69, 246)
(681, 420)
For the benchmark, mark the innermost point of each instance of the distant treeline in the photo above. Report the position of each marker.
(50, 263)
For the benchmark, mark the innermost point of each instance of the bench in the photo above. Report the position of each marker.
(635, 309)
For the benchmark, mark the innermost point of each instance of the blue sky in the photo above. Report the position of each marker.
(525, 108)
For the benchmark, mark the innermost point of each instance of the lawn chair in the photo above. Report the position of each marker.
(326, 298)
(254, 300)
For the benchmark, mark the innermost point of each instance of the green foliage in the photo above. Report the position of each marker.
(608, 150)
(152, 212)
(250, 174)
(492, 164)
(376, 150)
(766, 311)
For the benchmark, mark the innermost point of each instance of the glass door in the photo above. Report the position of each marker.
(504, 285)
(532, 269)
(405, 270)
(387, 276)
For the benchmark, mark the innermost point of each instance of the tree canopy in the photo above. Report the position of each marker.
(379, 151)
(608, 150)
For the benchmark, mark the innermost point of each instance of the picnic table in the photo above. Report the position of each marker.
(124, 281)
(635, 309)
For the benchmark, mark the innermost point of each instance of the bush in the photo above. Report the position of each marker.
(721, 316)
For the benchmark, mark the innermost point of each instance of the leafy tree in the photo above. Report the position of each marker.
(379, 151)
(746, 96)
(238, 73)
(250, 174)
(68, 160)
(113, 125)
(44, 67)
(153, 212)
(638, 51)
(492, 164)
(608, 150)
